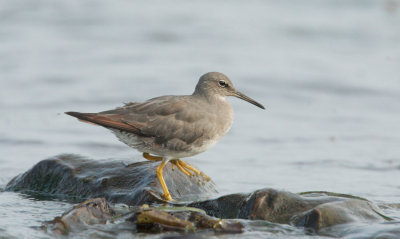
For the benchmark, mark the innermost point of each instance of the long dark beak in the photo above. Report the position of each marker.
(248, 99)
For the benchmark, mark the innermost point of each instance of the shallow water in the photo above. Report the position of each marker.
(327, 71)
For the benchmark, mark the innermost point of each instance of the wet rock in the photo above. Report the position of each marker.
(339, 212)
(312, 210)
(180, 219)
(90, 212)
(76, 178)
(73, 177)
(142, 219)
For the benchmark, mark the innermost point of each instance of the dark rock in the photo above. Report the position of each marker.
(76, 178)
(315, 211)
(145, 219)
(69, 176)
(339, 212)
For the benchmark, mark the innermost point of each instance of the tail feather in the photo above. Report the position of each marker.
(111, 121)
(84, 117)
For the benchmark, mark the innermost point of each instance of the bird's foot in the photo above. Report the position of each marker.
(205, 176)
(177, 163)
(167, 197)
(186, 168)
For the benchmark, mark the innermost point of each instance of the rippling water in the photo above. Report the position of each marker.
(327, 71)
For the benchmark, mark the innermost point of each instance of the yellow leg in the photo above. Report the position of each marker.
(151, 157)
(179, 166)
(187, 166)
(182, 166)
(160, 177)
(196, 171)
(174, 163)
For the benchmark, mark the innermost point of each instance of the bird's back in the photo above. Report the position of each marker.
(174, 126)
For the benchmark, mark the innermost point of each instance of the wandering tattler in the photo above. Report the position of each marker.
(173, 127)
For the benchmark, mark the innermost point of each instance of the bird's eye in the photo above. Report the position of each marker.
(222, 83)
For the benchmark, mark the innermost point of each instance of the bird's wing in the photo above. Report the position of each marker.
(179, 122)
(167, 118)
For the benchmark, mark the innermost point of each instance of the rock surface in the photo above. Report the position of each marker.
(142, 219)
(311, 210)
(71, 177)
(74, 177)
(150, 219)
(90, 212)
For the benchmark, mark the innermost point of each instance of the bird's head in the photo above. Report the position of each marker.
(215, 84)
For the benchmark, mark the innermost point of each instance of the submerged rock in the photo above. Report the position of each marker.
(157, 219)
(148, 219)
(310, 210)
(73, 177)
(142, 219)
(339, 212)
(90, 212)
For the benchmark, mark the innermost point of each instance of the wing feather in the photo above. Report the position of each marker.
(174, 121)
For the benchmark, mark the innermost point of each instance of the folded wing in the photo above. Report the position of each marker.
(168, 119)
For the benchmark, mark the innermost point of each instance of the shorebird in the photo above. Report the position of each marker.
(168, 128)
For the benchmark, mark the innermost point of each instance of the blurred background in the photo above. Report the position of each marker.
(328, 73)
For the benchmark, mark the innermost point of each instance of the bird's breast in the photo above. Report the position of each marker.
(219, 123)
(224, 119)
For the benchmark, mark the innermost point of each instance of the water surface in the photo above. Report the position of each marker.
(327, 71)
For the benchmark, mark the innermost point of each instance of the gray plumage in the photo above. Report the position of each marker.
(174, 126)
